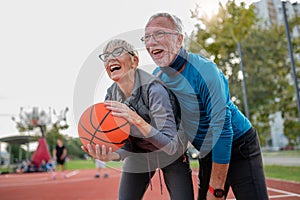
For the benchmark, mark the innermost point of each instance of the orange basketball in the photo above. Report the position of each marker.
(98, 126)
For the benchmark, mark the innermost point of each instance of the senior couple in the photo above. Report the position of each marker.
(186, 98)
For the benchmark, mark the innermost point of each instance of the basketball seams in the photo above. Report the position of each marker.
(109, 142)
(110, 131)
(93, 135)
(105, 131)
(100, 123)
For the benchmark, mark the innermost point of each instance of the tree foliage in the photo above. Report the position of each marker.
(73, 145)
(218, 37)
(15, 152)
(265, 57)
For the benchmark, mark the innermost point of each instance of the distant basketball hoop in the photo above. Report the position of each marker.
(34, 117)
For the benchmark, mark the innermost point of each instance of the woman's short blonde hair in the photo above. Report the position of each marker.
(120, 43)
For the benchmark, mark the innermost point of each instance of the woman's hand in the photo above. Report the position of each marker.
(122, 110)
(119, 109)
(103, 153)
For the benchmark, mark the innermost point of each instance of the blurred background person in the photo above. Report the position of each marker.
(59, 155)
(100, 166)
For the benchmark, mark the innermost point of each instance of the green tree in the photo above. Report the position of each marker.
(15, 152)
(218, 37)
(292, 123)
(267, 53)
(73, 145)
(74, 148)
(267, 73)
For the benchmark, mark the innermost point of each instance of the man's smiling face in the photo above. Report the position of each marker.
(164, 47)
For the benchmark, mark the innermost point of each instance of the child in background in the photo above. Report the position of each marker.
(42, 167)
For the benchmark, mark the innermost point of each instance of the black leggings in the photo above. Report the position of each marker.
(245, 174)
(177, 176)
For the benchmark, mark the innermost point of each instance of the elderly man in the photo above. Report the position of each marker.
(229, 147)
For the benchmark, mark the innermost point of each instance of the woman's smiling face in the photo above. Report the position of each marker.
(118, 66)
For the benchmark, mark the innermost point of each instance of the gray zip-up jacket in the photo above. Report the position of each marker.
(159, 107)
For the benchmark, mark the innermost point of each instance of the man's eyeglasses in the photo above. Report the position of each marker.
(115, 53)
(157, 36)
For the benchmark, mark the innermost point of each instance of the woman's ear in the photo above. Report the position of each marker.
(135, 61)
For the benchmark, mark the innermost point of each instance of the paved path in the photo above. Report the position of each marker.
(286, 161)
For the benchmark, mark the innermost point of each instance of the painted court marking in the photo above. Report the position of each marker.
(284, 194)
(72, 173)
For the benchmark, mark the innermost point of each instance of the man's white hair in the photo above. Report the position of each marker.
(176, 20)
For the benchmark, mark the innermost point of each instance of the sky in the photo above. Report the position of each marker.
(44, 46)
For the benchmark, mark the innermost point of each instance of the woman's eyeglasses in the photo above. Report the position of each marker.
(115, 53)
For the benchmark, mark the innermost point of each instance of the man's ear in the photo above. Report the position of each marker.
(179, 40)
(135, 61)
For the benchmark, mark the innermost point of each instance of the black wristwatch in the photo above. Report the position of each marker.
(217, 192)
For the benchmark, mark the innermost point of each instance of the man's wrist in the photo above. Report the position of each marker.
(217, 192)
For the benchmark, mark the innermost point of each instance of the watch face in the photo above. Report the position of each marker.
(219, 193)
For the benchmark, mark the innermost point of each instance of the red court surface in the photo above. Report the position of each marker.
(81, 185)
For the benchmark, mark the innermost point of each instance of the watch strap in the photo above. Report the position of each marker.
(212, 190)
(217, 192)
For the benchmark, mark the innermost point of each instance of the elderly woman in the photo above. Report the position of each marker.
(156, 139)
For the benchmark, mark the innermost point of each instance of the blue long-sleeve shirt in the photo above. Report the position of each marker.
(209, 117)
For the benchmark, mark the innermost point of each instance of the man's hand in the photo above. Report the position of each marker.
(217, 179)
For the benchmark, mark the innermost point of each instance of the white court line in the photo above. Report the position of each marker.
(280, 196)
(72, 173)
(284, 192)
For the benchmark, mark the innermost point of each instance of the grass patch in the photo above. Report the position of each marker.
(80, 164)
(89, 164)
(194, 164)
(290, 173)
